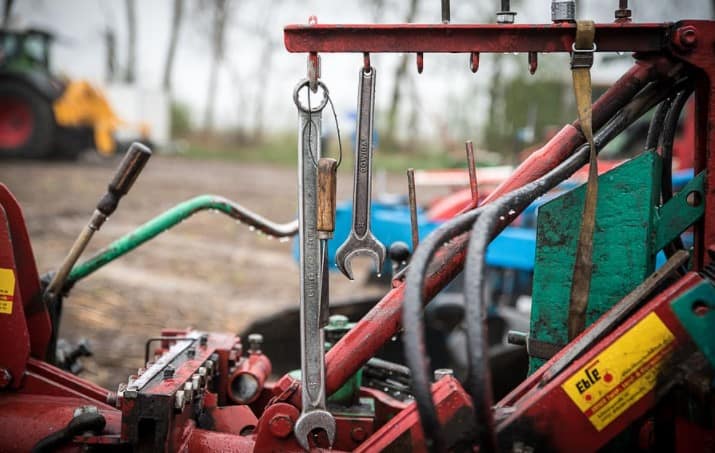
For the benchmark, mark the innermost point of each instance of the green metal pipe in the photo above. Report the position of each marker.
(172, 217)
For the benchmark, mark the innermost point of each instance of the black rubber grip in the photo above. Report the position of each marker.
(133, 163)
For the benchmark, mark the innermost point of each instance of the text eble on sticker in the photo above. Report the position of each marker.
(622, 374)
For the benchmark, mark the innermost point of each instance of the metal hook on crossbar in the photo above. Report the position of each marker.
(533, 62)
(313, 62)
(474, 61)
(420, 62)
(366, 62)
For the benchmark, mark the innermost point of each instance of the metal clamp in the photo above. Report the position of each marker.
(582, 58)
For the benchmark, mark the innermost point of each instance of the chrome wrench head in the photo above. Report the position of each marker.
(354, 246)
(311, 421)
(361, 241)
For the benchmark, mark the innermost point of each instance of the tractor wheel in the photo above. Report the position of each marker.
(26, 122)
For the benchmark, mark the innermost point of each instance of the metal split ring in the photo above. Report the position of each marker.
(310, 109)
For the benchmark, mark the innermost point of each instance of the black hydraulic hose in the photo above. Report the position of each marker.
(667, 136)
(490, 223)
(655, 128)
(670, 126)
(413, 322)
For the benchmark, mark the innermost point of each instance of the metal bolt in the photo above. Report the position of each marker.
(563, 11)
(131, 392)
(281, 426)
(516, 338)
(188, 391)
(338, 321)
(195, 381)
(169, 372)
(202, 373)
(5, 377)
(623, 14)
(209, 367)
(442, 372)
(255, 341)
(191, 353)
(358, 434)
(179, 400)
(204, 339)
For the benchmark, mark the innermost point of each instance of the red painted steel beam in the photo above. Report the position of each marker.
(437, 38)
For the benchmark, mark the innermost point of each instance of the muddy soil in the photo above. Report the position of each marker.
(208, 272)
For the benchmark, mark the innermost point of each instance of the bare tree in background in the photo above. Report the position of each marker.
(110, 48)
(219, 10)
(400, 73)
(173, 40)
(129, 75)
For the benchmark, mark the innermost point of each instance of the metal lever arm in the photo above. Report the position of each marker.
(127, 172)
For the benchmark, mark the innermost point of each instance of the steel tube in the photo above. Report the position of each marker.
(171, 218)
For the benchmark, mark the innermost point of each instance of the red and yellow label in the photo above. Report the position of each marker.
(7, 290)
(622, 374)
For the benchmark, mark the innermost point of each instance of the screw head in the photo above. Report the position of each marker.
(204, 339)
(281, 426)
(191, 353)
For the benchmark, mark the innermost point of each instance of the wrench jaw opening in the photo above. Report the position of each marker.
(311, 421)
(368, 246)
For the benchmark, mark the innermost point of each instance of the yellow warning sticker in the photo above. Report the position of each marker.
(622, 374)
(7, 290)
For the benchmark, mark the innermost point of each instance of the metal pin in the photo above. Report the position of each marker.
(413, 208)
(313, 70)
(623, 14)
(366, 61)
(474, 61)
(471, 167)
(533, 62)
(445, 12)
(420, 62)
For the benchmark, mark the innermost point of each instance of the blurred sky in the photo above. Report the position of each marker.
(446, 84)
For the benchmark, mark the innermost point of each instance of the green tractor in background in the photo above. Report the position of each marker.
(44, 116)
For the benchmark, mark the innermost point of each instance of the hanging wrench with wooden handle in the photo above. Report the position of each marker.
(314, 415)
(360, 241)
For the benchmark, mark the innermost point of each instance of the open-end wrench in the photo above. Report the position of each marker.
(360, 241)
(314, 415)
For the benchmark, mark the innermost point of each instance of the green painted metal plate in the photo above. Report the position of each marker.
(623, 252)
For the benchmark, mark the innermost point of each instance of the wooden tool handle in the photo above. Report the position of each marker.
(327, 181)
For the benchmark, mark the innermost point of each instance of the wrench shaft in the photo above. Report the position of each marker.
(362, 188)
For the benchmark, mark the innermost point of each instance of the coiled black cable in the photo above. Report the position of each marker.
(492, 220)
(413, 322)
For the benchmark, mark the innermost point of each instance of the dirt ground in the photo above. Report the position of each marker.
(208, 272)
